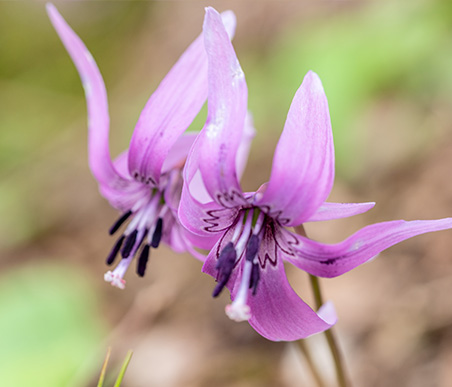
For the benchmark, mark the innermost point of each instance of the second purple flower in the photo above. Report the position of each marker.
(144, 183)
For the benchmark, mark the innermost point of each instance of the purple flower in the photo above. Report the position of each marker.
(251, 229)
(145, 181)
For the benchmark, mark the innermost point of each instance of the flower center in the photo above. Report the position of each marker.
(245, 241)
(143, 231)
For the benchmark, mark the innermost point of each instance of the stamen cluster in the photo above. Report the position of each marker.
(241, 250)
(143, 231)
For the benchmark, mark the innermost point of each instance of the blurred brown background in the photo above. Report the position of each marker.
(387, 71)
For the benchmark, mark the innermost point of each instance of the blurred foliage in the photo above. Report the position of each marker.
(49, 325)
(390, 48)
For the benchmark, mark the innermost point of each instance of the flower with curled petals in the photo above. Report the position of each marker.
(145, 181)
(251, 229)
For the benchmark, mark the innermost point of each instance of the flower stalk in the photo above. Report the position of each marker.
(302, 345)
(330, 338)
(329, 334)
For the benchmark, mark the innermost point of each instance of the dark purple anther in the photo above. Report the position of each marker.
(224, 265)
(129, 243)
(255, 277)
(143, 261)
(227, 255)
(114, 252)
(119, 222)
(252, 247)
(157, 236)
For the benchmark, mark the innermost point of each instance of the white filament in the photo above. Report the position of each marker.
(239, 310)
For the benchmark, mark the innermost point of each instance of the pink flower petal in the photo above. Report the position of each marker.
(179, 151)
(197, 211)
(207, 220)
(96, 99)
(170, 110)
(332, 260)
(218, 143)
(245, 144)
(279, 314)
(121, 164)
(174, 237)
(303, 166)
(209, 266)
(330, 211)
(123, 199)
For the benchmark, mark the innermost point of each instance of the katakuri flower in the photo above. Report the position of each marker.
(145, 181)
(251, 229)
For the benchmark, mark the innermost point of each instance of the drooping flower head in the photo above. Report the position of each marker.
(144, 182)
(252, 229)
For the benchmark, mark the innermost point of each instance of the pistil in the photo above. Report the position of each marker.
(116, 277)
(245, 234)
(239, 309)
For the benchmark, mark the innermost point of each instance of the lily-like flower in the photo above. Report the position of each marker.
(144, 182)
(252, 232)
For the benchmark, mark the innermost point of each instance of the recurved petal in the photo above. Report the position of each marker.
(245, 144)
(179, 151)
(192, 173)
(303, 165)
(221, 136)
(96, 99)
(207, 220)
(201, 242)
(121, 164)
(332, 260)
(123, 196)
(126, 197)
(196, 254)
(330, 211)
(176, 238)
(170, 110)
(210, 263)
(279, 314)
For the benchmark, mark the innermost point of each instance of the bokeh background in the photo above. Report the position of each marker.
(387, 70)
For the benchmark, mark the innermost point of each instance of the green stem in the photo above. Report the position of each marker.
(330, 338)
(307, 354)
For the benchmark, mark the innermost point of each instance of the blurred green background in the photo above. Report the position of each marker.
(387, 71)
